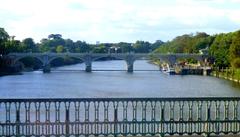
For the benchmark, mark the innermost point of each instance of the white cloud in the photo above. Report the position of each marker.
(117, 20)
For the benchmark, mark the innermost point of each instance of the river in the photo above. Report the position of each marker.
(72, 81)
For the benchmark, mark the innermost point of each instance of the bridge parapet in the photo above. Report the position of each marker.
(119, 116)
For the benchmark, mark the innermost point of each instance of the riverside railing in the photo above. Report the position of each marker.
(119, 116)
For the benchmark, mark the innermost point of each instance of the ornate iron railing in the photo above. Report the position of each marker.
(119, 116)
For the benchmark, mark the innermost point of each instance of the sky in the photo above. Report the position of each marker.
(117, 20)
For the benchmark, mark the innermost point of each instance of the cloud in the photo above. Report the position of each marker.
(118, 20)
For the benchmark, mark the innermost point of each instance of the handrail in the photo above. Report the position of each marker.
(119, 99)
(119, 116)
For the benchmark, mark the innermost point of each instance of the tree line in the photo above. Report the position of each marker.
(57, 44)
(224, 47)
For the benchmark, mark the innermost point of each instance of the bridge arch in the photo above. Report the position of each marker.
(22, 57)
(106, 56)
(62, 57)
(121, 60)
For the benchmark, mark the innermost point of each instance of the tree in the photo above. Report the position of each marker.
(142, 47)
(3, 34)
(59, 49)
(81, 46)
(235, 63)
(44, 45)
(220, 49)
(156, 44)
(69, 44)
(54, 36)
(235, 50)
(100, 49)
(187, 43)
(3, 38)
(29, 45)
(125, 47)
(50, 44)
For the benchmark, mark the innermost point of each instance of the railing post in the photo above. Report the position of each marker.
(208, 118)
(171, 124)
(181, 104)
(115, 121)
(162, 119)
(199, 116)
(125, 112)
(235, 116)
(67, 119)
(226, 116)
(17, 119)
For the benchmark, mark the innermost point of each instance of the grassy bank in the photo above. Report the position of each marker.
(229, 74)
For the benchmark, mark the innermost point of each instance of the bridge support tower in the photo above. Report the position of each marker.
(130, 61)
(47, 68)
(130, 68)
(88, 67)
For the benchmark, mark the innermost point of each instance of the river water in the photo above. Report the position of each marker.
(72, 81)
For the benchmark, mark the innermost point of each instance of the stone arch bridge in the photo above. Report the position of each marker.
(88, 58)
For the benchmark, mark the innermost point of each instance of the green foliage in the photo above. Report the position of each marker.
(224, 48)
(12, 46)
(187, 43)
(59, 49)
(3, 35)
(236, 63)
(125, 47)
(69, 44)
(220, 49)
(55, 43)
(156, 44)
(141, 47)
(100, 49)
(3, 38)
(235, 50)
(55, 36)
(81, 47)
(192, 61)
(28, 45)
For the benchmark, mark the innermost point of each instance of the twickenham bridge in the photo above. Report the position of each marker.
(88, 58)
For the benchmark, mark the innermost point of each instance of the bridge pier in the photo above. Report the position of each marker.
(130, 68)
(47, 68)
(130, 61)
(88, 67)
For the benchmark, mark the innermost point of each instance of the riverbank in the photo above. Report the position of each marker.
(8, 73)
(186, 70)
(228, 74)
(10, 70)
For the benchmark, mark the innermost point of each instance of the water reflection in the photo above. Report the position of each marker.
(112, 84)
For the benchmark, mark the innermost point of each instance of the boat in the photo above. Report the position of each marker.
(171, 71)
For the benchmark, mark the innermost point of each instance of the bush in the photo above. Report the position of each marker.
(236, 63)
